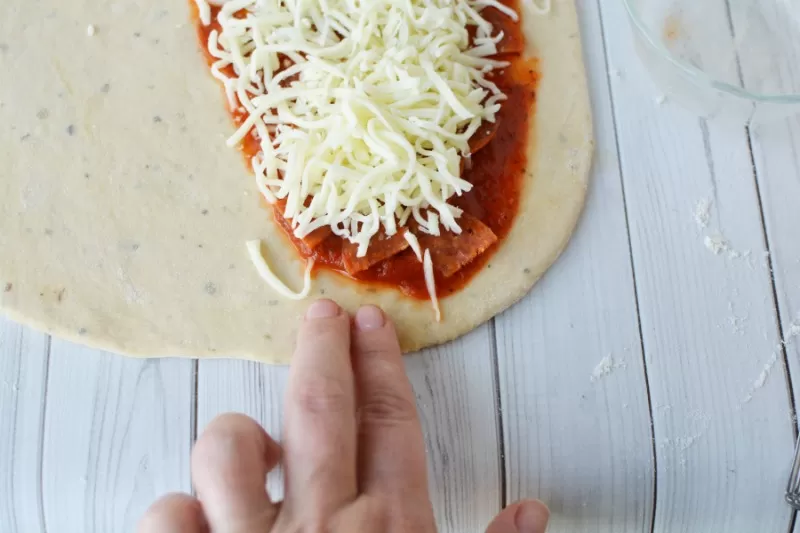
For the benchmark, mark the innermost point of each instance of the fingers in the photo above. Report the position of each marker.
(391, 446)
(526, 516)
(230, 463)
(174, 513)
(320, 427)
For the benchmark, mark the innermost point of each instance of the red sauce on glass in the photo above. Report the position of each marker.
(497, 171)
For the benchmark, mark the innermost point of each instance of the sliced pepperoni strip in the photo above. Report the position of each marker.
(450, 252)
(380, 247)
(483, 136)
(312, 240)
(301, 246)
(317, 237)
(513, 42)
(507, 47)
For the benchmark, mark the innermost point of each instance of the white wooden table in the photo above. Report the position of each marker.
(691, 429)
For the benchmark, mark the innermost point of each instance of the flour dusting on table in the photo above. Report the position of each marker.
(702, 213)
(605, 367)
(792, 332)
(717, 243)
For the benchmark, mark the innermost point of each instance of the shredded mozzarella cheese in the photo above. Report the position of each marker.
(205, 11)
(362, 109)
(374, 111)
(413, 242)
(430, 283)
(254, 250)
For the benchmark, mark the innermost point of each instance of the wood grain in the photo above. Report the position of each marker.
(776, 158)
(116, 437)
(455, 392)
(775, 146)
(575, 436)
(708, 321)
(776, 149)
(23, 374)
(244, 387)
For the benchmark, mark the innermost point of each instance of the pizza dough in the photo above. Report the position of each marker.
(124, 215)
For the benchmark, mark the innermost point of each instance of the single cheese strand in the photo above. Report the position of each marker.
(413, 242)
(430, 283)
(204, 10)
(254, 250)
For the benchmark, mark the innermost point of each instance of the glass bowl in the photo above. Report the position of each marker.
(732, 59)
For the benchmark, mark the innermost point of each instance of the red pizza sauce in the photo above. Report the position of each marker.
(496, 171)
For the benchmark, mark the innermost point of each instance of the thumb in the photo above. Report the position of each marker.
(526, 516)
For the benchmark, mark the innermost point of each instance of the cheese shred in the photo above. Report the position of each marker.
(430, 283)
(254, 250)
(204, 10)
(413, 242)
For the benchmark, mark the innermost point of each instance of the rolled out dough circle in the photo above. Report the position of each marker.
(124, 215)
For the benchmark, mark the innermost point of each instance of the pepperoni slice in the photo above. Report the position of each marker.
(483, 136)
(380, 247)
(317, 237)
(307, 244)
(513, 42)
(310, 241)
(450, 252)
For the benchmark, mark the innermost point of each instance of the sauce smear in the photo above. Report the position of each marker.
(496, 170)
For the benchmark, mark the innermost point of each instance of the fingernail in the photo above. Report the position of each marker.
(531, 517)
(323, 309)
(369, 317)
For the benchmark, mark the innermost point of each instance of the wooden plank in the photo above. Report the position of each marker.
(708, 321)
(455, 398)
(776, 158)
(244, 387)
(116, 437)
(776, 150)
(454, 386)
(23, 371)
(577, 434)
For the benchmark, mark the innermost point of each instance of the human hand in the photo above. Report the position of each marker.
(353, 451)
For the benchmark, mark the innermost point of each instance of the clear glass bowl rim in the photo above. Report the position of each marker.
(698, 75)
